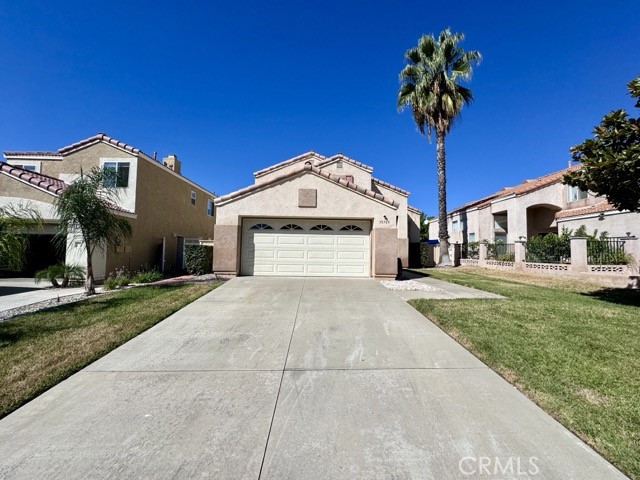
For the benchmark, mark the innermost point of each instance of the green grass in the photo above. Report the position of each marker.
(573, 348)
(39, 350)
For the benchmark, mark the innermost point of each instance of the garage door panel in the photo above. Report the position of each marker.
(321, 240)
(306, 252)
(354, 255)
(321, 269)
(290, 269)
(288, 254)
(321, 254)
(290, 239)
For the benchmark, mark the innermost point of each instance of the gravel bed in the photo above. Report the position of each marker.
(34, 307)
(408, 285)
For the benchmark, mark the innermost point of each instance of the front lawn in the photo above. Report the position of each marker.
(572, 347)
(41, 349)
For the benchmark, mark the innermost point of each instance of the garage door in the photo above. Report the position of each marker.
(319, 248)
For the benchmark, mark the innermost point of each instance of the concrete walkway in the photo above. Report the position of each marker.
(291, 378)
(19, 292)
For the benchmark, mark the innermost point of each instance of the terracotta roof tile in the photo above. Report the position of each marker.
(289, 161)
(390, 187)
(414, 209)
(575, 212)
(32, 154)
(51, 184)
(45, 182)
(527, 186)
(344, 158)
(97, 138)
(311, 169)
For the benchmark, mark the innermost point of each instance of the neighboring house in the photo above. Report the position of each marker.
(313, 215)
(164, 208)
(535, 207)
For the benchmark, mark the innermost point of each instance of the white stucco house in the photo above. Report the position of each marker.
(313, 215)
(535, 207)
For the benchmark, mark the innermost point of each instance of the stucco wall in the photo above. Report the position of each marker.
(84, 159)
(413, 220)
(287, 169)
(361, 177)
(281, 200)
(616, 224)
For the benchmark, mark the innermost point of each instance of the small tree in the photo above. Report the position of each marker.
(611, 159)
(85, 208)
(14, 223)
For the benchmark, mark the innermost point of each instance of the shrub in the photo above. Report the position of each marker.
(198, 259)
(70, 274)
(426, 257)
(118, 279)
(147, 276)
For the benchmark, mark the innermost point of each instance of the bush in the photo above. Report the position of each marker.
(147, 276)
(198, 259)
(118, 279)
(70, 274)
(426, 259)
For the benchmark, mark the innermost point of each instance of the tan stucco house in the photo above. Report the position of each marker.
(535, 207)
(165, 209)
(313, 215)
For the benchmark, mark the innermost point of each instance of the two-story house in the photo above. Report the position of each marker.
(535, 207)
(164, 208)
(313, 215)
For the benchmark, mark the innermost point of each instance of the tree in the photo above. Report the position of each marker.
(85, 209)
(14, 224)
(610, 161)
(430, 88)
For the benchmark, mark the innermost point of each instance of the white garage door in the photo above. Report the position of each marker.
(319, 248)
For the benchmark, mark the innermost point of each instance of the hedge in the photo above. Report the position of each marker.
(198, 259)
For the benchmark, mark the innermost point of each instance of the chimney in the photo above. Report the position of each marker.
(172, 162)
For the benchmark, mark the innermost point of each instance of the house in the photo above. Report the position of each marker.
(313, 215)
(535, 207)
(165, 209)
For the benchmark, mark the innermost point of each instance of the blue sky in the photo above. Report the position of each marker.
(235, 87)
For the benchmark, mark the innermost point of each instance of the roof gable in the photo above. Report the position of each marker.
(339, 156)
(308, 169)
(311, 156)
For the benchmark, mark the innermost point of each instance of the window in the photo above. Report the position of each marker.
(116, 174)
(351, 228)
(261, 226)
(500, 238)
(321, 227)
(30, 168)
(193, 197)
(574, 194)
(210, 207)
(291, 226)
(455, 226)
(500, 222)
(472, 237)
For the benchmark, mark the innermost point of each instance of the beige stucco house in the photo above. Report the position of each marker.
(535, 207)
(313, 215)
(165, 209)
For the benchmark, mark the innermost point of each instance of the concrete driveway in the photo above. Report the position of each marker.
(291, 378)
(19, 292)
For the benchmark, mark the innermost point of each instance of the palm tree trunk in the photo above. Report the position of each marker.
(89, 286)
(443, 231)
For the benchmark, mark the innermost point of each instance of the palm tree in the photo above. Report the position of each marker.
(14, 224)
(430, 88)
(85, 209)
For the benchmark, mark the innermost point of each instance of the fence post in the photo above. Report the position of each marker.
(579, 261)
(482, 254)
(520, 254)
(457, 254)
(632, 247)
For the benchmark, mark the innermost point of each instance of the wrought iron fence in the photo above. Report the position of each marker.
(504, 252)
(606, 251)
(548, 249)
